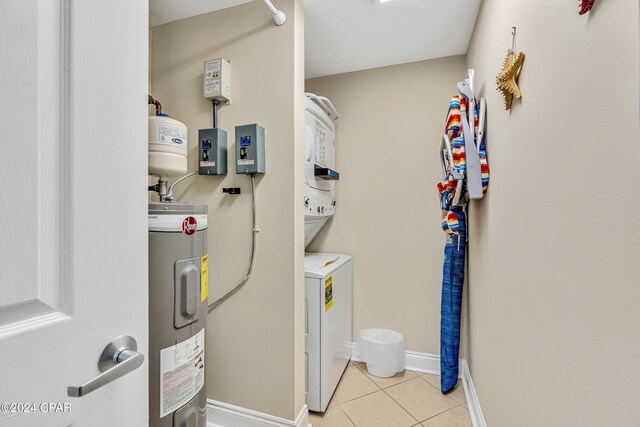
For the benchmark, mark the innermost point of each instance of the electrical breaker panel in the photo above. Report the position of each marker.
(212, 152)
(250, 149)
(217, 80)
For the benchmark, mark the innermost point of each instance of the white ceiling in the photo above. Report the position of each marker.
(164, 11)
(351, 35)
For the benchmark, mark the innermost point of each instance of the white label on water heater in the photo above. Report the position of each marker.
(172, 135)
(181, 373)
(173, 223)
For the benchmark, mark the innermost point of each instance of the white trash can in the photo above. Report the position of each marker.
(382, 350)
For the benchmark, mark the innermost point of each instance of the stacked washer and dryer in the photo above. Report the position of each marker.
(328, 277)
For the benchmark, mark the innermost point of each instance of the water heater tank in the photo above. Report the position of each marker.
(167, 147)
(178, 289)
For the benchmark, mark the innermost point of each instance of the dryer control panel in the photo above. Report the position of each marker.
(319, 205)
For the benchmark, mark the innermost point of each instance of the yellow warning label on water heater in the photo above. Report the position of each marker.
(328, 293)
(204, 279)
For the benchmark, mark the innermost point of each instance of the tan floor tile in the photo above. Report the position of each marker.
(389, 381)
(433, 379)
(377, 410)
(353, 384)
(456, 394)
(332, 400)
(420, 399)
(456, 417)
(333, 417)
(332, 403)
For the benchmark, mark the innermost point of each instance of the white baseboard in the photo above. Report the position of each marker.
(430, 364)
(220, 414)
(473, 404)
(414, 361)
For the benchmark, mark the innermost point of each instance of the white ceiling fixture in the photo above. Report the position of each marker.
(343, 36)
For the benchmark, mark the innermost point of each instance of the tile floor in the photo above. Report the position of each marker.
(406, 400)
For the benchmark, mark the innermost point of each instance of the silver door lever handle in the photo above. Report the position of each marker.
(118, 358)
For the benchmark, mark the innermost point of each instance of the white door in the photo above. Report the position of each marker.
(73, 203)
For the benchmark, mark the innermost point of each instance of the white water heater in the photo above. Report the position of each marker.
(167, 147)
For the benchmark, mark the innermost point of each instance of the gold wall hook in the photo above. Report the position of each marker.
(507, 79)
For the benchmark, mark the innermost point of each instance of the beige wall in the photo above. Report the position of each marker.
(253, 339)
(555, 247)
(388, 215)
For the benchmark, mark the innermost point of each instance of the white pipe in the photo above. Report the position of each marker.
(271, 6)
(279, 16)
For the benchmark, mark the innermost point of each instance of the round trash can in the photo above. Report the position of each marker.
(382, 350)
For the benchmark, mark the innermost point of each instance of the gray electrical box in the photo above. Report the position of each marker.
(212, 152)
(250, 150)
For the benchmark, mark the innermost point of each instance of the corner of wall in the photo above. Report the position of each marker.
(298, 165)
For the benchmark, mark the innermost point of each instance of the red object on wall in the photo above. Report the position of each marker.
(585, 6)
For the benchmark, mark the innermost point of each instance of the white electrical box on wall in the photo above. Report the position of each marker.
(217, 80)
